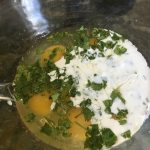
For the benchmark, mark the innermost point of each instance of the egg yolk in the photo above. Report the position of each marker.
(52, 53)
(79, 125)
(40, 104)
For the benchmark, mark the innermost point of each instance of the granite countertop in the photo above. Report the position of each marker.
(23, 22)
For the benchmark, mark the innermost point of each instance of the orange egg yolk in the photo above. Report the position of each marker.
(79, 125)
(40, 104)
(52, 53)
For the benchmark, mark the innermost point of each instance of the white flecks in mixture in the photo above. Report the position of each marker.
(128, 72)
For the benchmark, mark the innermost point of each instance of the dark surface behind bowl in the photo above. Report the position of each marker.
(21, 28)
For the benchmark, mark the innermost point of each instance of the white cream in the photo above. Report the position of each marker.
(128, 71)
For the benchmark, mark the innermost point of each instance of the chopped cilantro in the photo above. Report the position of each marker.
(115, 37)
(93, 138)
(96, 138)
(108, 103)
(122, 113)
(26, 83)
(126, 134)
(47, 129)
(122, 122)
(55, 97)
(88, 114)
(85, 103)
(121, 116)
(110, 44)
(31, 117)
(100, 33)
(119, 50)
(91, 57)
(108, 137)
(63, 125)
(116, 94)
(82, 38)
(68, 56)
(73, 91)
(97, 86)
(61, 128)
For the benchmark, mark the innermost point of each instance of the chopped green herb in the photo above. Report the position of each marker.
(31, 117)
(97, 86)
(119, 50)
(82, 38)
(121, 116)
(55, 97)
(88, 114)
(73, 91)
(122, 122)
(127, 134)
(100, 33)
(47, 129)
(108, 136)
(68, 56)
(85, 103)
(122, 113)
(96, 138)
(116, 94)
(93, 138)
(26, 83)
(108, 103)
(115, 37)
(63, 125)
(91, 57)
(70, 103)
(110, 44)
(61, 128)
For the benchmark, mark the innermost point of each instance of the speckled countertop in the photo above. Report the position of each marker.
(21, 27)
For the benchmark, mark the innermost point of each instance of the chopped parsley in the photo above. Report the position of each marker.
(93, 138)
(121, 116)
(97, 86)
(55, 97)
(61, 128)
(68, 57)
(116, 94)
(30, 117)
(88, 114)
(110, 44)
(116, 37)
(97, 138)
(126, 134)
(47, 129)
(108, 103)
(119, 50)
(109, 138)
(30, 80)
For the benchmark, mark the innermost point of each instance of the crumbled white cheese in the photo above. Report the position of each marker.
(53, 75)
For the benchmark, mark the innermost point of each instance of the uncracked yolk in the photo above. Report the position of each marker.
(40, 104)
(77, 119)
(52, 53)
